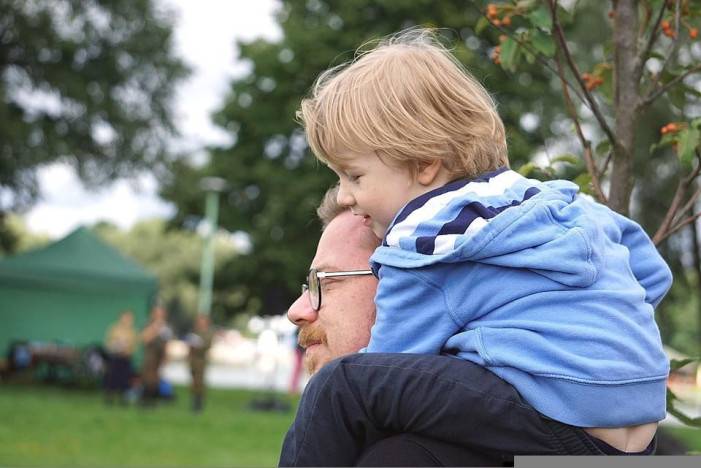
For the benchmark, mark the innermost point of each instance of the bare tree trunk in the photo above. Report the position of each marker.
(627, 100)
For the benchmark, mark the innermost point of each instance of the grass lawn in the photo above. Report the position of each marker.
(49, 426)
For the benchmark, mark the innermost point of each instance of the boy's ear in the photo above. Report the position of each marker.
(429, 171)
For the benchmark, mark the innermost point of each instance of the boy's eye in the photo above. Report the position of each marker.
(353, 177)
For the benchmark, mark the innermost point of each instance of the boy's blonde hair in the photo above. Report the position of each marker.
(409, 101)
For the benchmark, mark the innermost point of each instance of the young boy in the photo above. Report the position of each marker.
(551, 292)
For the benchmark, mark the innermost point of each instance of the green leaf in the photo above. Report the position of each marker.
(541, 18)
(543, 43)
(530, 58)
(525, 4)
(605, 71)
(689, 421)
(666, 140)
(675, 364)
(603, 147)
(509, 54)
(688, 141)
(584, 182)
(526, 169)
(482, 24)
(696, 123)
(677, 97)
(568, 158)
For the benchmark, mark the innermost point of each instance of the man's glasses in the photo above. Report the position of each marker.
(313, 285)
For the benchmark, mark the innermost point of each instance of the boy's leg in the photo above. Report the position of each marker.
(414, 450)
(357, 400)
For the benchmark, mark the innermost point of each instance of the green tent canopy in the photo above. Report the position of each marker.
(70, 291)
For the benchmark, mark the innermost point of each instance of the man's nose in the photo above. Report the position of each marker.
(301, 311)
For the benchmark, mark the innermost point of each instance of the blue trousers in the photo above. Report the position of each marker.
(355, 401)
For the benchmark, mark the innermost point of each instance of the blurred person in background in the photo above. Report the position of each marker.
(120, 342)
(154, 336)
(199, 342)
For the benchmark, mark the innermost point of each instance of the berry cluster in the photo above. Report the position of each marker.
(671, 127)
(666, 24)
(592, 81)
(496, 52)
(493, 15)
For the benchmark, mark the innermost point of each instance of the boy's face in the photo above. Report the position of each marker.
(374, 189)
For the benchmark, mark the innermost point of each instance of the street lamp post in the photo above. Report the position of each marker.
(212, 186)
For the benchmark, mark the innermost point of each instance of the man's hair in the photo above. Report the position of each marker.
(409, 101)
(329, 207)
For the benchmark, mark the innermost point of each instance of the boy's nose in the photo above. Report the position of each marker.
(344, 197)
(301, 311)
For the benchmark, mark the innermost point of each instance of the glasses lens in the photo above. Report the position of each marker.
(314, 292)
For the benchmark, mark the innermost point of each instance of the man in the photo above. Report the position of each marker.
(154, 336)
(349, 308)
(199, 341)
(342, 325)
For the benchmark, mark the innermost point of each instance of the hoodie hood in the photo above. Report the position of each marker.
(500, 218)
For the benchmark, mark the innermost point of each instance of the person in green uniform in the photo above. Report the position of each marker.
(155, 336)
(199, 340)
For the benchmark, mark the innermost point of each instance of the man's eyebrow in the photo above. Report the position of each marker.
(325, 267)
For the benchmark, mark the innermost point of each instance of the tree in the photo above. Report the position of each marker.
(275, 183)
(85, 82)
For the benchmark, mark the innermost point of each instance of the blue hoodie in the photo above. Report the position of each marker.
(550, 291)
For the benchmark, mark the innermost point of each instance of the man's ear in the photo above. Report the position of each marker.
(429, 171)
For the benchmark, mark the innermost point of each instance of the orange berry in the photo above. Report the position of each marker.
(586, 76)
(664, 130)
(506, 21)
(496, 22)
(669, 33)
(665, 24)
(672, 128)
(492, 10)
(693, 33)
(503, 37)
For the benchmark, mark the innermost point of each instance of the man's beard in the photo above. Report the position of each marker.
(308, 336)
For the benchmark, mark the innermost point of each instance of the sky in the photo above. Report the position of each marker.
(205, 35)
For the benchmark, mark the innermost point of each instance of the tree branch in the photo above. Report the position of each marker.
(666, 227)
(654, 34)
(605, 167)
(588, 158)
(575, 71)
(650, 98)
(682, 223)
(690, 202)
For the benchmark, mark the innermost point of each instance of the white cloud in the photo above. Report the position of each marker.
(205, 36)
